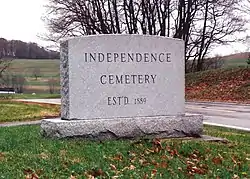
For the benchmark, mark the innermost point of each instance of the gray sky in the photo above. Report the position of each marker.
(21, 20)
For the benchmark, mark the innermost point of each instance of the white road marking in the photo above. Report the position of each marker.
(227, 126)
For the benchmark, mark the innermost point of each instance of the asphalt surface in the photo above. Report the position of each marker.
(219, 114)
(222, 114)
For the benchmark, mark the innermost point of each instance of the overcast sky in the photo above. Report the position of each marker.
(21, 20)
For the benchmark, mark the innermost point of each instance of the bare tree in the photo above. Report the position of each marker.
(18, 82)
(4, 65)
(36, 72)
(52, 85)
(202, 24)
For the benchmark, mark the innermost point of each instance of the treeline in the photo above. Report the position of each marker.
(21, 50)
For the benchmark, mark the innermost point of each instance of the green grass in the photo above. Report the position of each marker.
(25, 153)
(18, 111)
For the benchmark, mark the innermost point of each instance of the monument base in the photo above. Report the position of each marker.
(138, 127)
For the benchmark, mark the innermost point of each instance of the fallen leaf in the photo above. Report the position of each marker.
(163, 164)
(113, 167)
(234, 159)
(198, 170)
(157, 150)
(153, 172)
(31, 176)
(145, 176)
(94, 173)
(148, 151)
(27, 171)
(244, 174)
(157, 142)
(72, 177)
(190, 163)
(118, 157)
(217, 160)
(132, 154)
(132, 167)
(44, 155)
(180, 169)
(235, 177)
(2, 155)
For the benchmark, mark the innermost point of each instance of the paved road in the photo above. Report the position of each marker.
(221, 114)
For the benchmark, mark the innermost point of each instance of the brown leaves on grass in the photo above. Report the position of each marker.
(94, 173)
(117, 157)
(2, 156)
(221, 85)
(194, 165)
(159, 158)
(217, 160)
(30, 174)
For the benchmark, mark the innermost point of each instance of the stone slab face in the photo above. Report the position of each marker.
(142, 127)
(122, 76)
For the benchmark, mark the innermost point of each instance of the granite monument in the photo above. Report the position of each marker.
(122, 86)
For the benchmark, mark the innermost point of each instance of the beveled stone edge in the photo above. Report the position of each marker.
(130, 128)
(64, 79)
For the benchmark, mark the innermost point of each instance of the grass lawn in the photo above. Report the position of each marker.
(19, 111)
(24, 153)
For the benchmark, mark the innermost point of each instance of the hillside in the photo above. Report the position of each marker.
(229, 85)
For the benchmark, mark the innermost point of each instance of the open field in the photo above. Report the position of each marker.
(37, 73)
(48, 68)
(31, 156)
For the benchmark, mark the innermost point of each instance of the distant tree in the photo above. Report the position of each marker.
(4, 65)
(18, 82)
(36, 72)
(52, 85)
(213, 63)
(248, 59)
